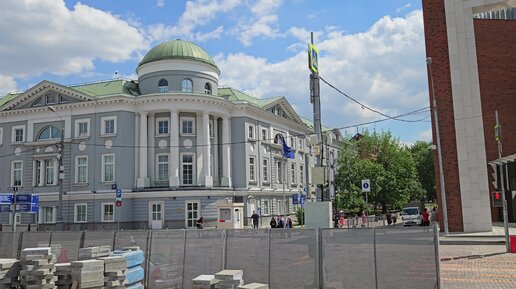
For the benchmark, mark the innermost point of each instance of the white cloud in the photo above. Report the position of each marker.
(7, 84)
(405, 7)
(426, 135)
(265, 7)
(263, 22)
(383, 67)
(160, 3)
(70, 40)
(197, 13)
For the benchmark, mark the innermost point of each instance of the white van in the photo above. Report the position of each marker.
(411, 216)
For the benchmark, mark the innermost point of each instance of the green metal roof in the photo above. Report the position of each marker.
(178, 49)
(107, 88)
(311, 124)
(8, 98)
(236, 95)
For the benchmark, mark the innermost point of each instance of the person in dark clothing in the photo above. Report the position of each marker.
(280, 223)
(273, 222)
(256, 219)
(200, 222)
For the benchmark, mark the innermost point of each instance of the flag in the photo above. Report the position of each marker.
(286, 150)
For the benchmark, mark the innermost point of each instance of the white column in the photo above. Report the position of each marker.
(41, 173)
(208, 179)
(56, 171)
(136, 152)
(226, 154)
(151, 157)
(216, 157)
(174, 150)
(143, 180)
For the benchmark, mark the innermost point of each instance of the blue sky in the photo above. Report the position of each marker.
(373, 50)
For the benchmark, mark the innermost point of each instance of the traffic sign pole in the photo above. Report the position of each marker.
(498, 137)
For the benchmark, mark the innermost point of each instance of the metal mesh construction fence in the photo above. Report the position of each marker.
(284, 258)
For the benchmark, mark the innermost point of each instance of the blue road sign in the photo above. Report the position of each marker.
(5, 208)
(24, 199)
(6, 199)
(118, 193)
(35, 199)
(27, 208)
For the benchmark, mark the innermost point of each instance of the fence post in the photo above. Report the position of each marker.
(20, 243)
(83, 239)
(50, 239)
(269, 251)
(184, 257)
(147, 257)
(224, 248)
(437, 256)
(375, 261)
(320, 262)
(114, 241)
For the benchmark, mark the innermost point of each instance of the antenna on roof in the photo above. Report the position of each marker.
(116, 74)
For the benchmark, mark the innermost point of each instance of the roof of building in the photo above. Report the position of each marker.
(107, 88)
(236, 95)
(311, 124)
(8, 97)
(178, 49)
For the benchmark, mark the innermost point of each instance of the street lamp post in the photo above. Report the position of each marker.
(60, 155)
(439, 152)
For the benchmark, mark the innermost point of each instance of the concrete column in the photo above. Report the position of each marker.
(206, 143)
(136, 152)
(56, 171)
(143, 180)
(174, 150)
(226, 153)
(151, 132)
(41, 173)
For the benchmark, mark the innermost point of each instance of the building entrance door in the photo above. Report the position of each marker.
(192, 213)
(156, 215)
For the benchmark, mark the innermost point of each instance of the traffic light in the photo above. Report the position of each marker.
(497, 199)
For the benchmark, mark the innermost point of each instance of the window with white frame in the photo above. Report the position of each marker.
(51, 99)
(162, 86)
(49, 172)
(81, 169)
(265, 134)
(265, 170)
(207, 88)
(48, 133)
(250, 131)
(108, 125)
(187, 85)
(18, 133)
(187, 125)
(279, 173)
(1, 136)
(252, 169)
(300, 144)
(108, 212)
(293, 173)
(47, 215)
(108, 168)
(82, 127)
(266, 207)
(301, 174)
(293, 142)
(162, 127)
(37, 173)
(162, 167)
(187, 169)
(80, 213)
(16, 173)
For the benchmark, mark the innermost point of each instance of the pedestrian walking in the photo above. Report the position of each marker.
(364, 221)
(256, 219)
(389, 220)
(425, 217)
(289, 223)
(393, 218)
(200, 222)
(273, 222)
(281, 222)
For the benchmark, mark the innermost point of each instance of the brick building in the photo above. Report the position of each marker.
(472, 44)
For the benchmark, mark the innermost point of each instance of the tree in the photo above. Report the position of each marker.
(386, 163)
(423, 155)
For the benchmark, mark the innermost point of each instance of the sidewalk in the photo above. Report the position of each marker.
(495, 237)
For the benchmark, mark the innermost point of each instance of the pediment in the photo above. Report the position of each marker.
(45, 93)
(282, 107)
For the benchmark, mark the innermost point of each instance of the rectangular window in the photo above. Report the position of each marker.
(108, 168)
(265, 134)
(265, 170)
(279, 173)
(51, 99)
(47, 215)
(108, 125)
(1, 136)
(80, 213)
(162, 167)
(300, 145)
(251, 169)
(82, 128)
(108, 212)
(81, 170)
(301, 175)
(250, 131)
(37, 172)
(265, 207)
(187, 169)
(162, 126)
(49, 172)
(293, 142)
(16, 173)
(293, 173)
(187, 125)
(18, 133)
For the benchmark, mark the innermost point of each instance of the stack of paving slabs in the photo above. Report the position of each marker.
(9, 272)
(254, 286)
(87, 274)
(94, 252)
(115, 269)
(38, 267)
(64, 275)
(229, 279)
(134, 258)
(204, 282)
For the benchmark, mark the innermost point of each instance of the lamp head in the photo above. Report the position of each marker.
(51, 108)
(429, 60)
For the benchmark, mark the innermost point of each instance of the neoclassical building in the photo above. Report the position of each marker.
(173, 141)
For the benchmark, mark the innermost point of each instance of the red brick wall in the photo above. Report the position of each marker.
(496, 57)
(437, 48)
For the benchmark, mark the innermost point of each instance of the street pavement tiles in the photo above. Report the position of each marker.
(9, 272)
(38, 267)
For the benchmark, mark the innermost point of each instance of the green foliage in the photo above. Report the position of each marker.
(386, 163)
(424, 158)
(300, 215)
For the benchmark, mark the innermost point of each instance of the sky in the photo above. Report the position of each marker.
(371, 50)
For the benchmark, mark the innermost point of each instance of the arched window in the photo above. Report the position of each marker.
(207, 88)
(163, 86)
(49, 132)
(187, 85)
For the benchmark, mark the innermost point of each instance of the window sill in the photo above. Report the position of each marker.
(107, 182)
(254, 183)
(163, 135)
(188, 134)
(82, 222)
(108, 135)
(81, 184)
(82, 137)
(102, 221)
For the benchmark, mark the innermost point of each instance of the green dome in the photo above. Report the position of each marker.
(178, 49)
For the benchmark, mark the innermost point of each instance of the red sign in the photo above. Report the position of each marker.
(118, 203)
(497, 199)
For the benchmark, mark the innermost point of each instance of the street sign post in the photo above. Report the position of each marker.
(24, 199)
(366, 188)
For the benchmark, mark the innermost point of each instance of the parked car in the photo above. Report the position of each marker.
(411, 216)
